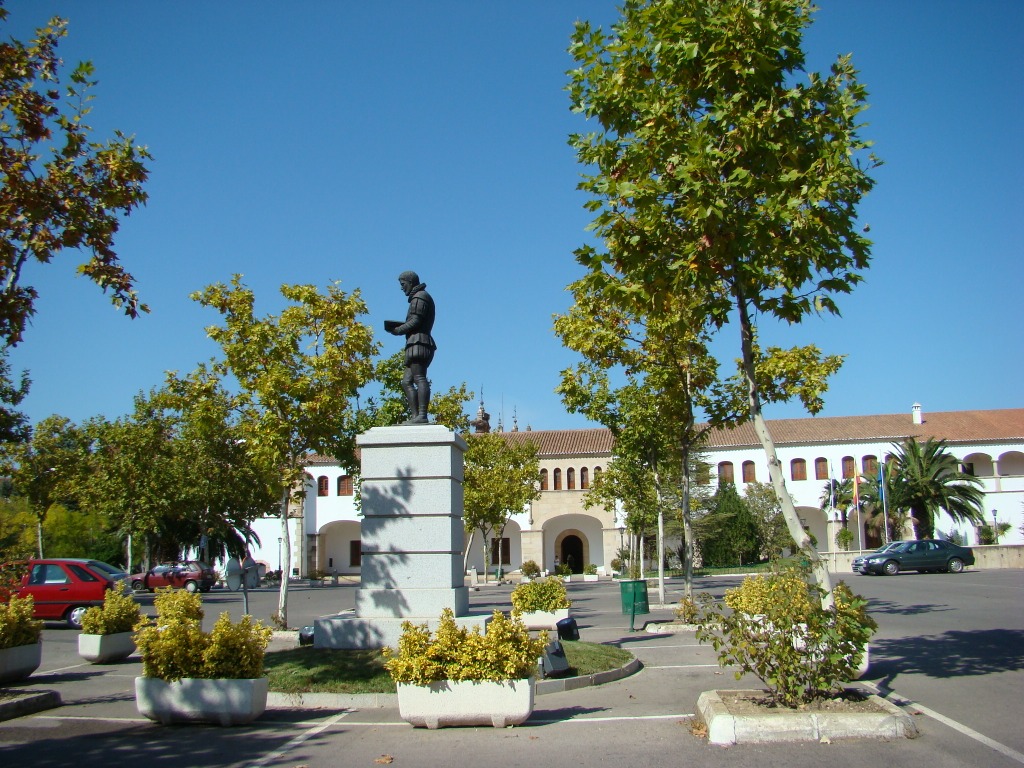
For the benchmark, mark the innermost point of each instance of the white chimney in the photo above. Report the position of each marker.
(915, 413)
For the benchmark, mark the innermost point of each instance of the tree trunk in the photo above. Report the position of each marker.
(800, 536)
(687, 528)
(286, 564)
(468, 548)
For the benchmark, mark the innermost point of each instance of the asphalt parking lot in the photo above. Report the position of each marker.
(950, 646)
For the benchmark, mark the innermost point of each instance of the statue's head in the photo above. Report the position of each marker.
(408, 280)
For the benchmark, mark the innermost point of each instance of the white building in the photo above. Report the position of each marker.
(557, 528)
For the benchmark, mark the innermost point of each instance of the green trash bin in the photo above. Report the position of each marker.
(634, 596)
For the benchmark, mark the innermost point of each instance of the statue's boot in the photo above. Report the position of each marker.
(411, 403)
(422, 400)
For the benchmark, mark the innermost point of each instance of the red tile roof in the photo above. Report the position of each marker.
(566, 442)
(995, 426)
(952, 426)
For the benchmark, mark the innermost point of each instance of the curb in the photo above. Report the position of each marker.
(560, 685)
(276, 700)
(724, 728)
(667, 628)
(29, 703)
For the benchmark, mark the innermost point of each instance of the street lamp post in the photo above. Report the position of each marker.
(279, 540)
(995, 526)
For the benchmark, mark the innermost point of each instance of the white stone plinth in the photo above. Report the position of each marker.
(412, 537)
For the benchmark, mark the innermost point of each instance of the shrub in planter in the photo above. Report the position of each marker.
(20, 647)
(590, 569)
(17, 627)
(176, 646)
(564, 569)
(107, 630)
(119, 613)
(461, 677)
(544, 595)
(505, 651)
(530, 569)
(778, 631)
(191, 675)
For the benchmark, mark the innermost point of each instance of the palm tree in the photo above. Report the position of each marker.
(838, 494)
(926, 479)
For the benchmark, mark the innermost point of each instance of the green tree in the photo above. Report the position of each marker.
(668, 373)
(60, 190)
(49, 469)
(80, 533)
(17, 529)
(132, 479)
(14, 425)
(729, 532)
(927, 479)
(772, 532)
(297, 374)
(501, 478)
(718, 173)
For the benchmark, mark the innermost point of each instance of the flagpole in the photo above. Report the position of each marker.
(885, 502)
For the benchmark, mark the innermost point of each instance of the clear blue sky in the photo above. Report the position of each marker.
(311, 141)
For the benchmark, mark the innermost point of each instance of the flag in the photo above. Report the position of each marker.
(856, 490)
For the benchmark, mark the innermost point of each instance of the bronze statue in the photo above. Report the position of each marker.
(419, 345)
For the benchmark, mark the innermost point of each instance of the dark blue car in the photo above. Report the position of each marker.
(925, 555)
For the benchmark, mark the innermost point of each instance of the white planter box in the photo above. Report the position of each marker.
(19, 662)
(226, 702)
(544, 619)
(105, 649)
(472, 702)
(590, 577)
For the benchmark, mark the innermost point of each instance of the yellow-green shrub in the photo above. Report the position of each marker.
(17, 627)
(176, 645)
(505, 651)
(779, 631)
(119, 613)
(543, 595)
(530, 569)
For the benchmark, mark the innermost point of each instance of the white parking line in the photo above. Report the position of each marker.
(279, 753)
(677, 666)
(895, 698)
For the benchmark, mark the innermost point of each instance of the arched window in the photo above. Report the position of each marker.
(597, 472)
(798, 469)
(869, 465)
(725, 473)
(584, 478)
(821, 468)
(849, 467)
(322, 486)
(749, 475)
(558, 479)
(543, 479)
(570, 479)
(345, 485)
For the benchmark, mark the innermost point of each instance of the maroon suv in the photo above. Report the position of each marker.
(63, 588)
(192, 575)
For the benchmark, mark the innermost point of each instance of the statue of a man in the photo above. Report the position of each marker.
(419, 345)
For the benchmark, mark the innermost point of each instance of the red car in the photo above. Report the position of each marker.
(63, 588)
(192, 575)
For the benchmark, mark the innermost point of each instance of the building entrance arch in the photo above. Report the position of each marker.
(570, 552)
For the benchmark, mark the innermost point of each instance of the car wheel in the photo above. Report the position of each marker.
(191, 586)
(955, 565)
(138, 586)
(891, 568)
(75, 614)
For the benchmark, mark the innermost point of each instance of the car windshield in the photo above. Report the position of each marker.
(112, 571)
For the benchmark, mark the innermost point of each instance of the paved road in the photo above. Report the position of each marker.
(953, 645)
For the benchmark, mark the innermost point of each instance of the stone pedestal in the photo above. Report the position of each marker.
(412, 538)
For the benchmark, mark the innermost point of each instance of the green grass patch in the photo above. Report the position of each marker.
(590, 658)
(319, 670)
